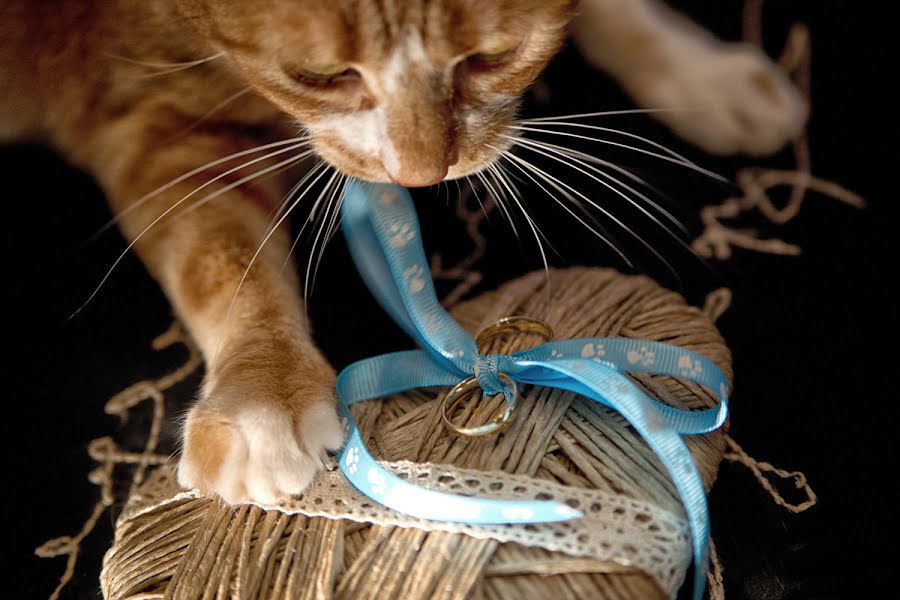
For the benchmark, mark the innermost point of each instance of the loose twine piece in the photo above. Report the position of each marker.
(105, 451)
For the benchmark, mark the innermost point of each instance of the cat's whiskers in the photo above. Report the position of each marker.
(167, 68)
(573, 158)
(167, 65)
(503, 179)
(287, 199)
(309, 219)
(527, 168)
(512, 161)
(261, 174)
(618, 169)
(609, 113)
(628, 134)
(599, 208)
(474, 189)
(335, 224)
(587, 158)
(321, 201)
(326, 222)
(498, 201)
(687, 165)
(163, 188)
(201, 202)
(273, 227)
(592, 172)
(547, 177)
(339, 193)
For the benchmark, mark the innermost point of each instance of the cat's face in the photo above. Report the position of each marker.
(411, 91)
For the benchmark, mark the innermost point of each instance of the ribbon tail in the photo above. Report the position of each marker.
(384, 238)
(643, 356)
(605, 384)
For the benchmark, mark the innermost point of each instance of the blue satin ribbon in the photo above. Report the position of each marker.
(382, 231)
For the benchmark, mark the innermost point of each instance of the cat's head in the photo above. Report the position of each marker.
(411, 91)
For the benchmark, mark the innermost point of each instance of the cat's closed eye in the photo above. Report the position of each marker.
(492, 60)
(323, 76)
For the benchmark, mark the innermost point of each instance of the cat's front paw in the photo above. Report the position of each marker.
(250, 444)
(736, 100)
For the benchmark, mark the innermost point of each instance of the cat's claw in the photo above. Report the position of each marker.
(256, 452)
(736, 100)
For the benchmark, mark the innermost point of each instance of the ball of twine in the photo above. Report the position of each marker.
(199, 548)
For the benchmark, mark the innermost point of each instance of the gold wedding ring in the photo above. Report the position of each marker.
(513, 325)
(496, 425)
(462, 389)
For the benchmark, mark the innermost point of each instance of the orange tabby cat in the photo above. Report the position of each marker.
(411, 91)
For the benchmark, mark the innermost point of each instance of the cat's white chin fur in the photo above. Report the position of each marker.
(266, 458)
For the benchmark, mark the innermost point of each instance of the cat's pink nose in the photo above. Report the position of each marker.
(420, 176)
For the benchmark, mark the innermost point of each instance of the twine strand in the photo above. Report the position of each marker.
(715, 575)
(108, 454)
(761, 469)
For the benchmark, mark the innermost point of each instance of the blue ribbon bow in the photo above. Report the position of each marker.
(383, 234)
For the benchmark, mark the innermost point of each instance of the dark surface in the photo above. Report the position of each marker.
(808, 333)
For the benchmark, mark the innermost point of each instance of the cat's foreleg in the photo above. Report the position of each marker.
(728, 97)
(266, 412)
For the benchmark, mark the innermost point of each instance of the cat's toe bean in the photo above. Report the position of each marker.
(319, 429)
(277, 467)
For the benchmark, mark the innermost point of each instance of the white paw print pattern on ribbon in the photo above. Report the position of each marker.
(414, 280)
(595, 351)
(517, 513)
(388, 196)
(457, 353)
(556, 353)
(378, 481)
(345, 425)
(622, 387)
(430, 323)
(401, 234)
(655, 421)
(352, 460)
(689, 367)
(643, 357)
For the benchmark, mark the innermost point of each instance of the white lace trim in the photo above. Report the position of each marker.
(614, 528)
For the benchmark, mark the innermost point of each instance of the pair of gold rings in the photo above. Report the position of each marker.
(461, 390)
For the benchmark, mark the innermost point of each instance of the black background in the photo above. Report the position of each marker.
(809, 334)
